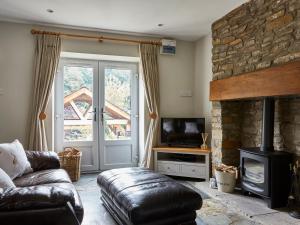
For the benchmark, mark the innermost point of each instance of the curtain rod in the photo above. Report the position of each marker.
(98, 38)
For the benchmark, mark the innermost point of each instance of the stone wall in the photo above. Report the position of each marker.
(257, 35)
(290, 124)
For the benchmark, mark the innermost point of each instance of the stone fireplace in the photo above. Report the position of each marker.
(259, 34)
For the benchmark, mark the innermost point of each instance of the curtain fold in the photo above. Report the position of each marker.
(149, 60)
(47, 55)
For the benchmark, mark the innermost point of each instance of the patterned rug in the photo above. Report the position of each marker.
(213, 212)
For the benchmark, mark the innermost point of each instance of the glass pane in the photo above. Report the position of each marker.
(117, 108)
(254, 171)
(78, 103)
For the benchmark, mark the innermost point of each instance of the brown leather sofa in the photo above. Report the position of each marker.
(44, 197)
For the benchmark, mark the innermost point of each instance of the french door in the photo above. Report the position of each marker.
(119, 115)
(96, 111)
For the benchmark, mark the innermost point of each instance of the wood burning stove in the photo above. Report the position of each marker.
(266, 172)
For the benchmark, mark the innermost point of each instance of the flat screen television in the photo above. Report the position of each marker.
(182, 132)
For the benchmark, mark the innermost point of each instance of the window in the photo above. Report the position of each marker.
(78, 103)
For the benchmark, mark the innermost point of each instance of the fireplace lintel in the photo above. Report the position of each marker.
(283, 80)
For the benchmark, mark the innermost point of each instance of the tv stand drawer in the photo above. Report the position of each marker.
(168, 168)
(193, 171)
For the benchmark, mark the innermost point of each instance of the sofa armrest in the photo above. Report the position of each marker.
(35, 197)
(43, 160)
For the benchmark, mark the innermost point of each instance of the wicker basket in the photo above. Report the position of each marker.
(70, 160)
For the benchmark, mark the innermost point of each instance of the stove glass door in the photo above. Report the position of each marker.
(254, 171)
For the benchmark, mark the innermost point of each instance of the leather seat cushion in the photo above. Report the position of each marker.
(78, 207)
(43, 177)
(142, 195)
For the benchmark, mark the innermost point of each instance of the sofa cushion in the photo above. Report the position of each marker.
(78, 207)
(5, 180)
(43, 160)
(43, 177)
(35, 197)
(13, 159)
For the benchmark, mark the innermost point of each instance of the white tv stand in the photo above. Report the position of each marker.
(184, 162)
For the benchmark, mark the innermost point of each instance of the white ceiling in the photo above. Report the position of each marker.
(182, 19)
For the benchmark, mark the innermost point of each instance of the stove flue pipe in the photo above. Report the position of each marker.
(267, 135)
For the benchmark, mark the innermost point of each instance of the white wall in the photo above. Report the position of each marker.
(16, 74)
(203, 75)
(177, 74)
(16, 65)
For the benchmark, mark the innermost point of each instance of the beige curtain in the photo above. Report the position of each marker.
(148, 54)
(47, 55)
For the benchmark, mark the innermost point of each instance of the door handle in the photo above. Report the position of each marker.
(95, 114)
(102, 115)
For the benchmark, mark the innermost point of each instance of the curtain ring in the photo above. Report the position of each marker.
(42, 116)
(153, 115)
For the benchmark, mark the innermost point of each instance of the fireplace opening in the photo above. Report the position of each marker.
(266, 172)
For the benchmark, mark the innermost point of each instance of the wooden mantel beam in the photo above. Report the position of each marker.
(275, 81)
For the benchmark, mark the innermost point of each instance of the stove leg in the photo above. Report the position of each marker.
(246, 193)
(270, 203)
(275, 203)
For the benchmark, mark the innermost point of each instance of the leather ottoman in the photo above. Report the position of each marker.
(137, 196)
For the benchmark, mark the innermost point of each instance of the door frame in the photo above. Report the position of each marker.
(59, 142)
(58, 119)
(134, 114)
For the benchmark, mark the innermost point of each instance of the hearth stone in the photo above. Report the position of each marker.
(267, 174)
